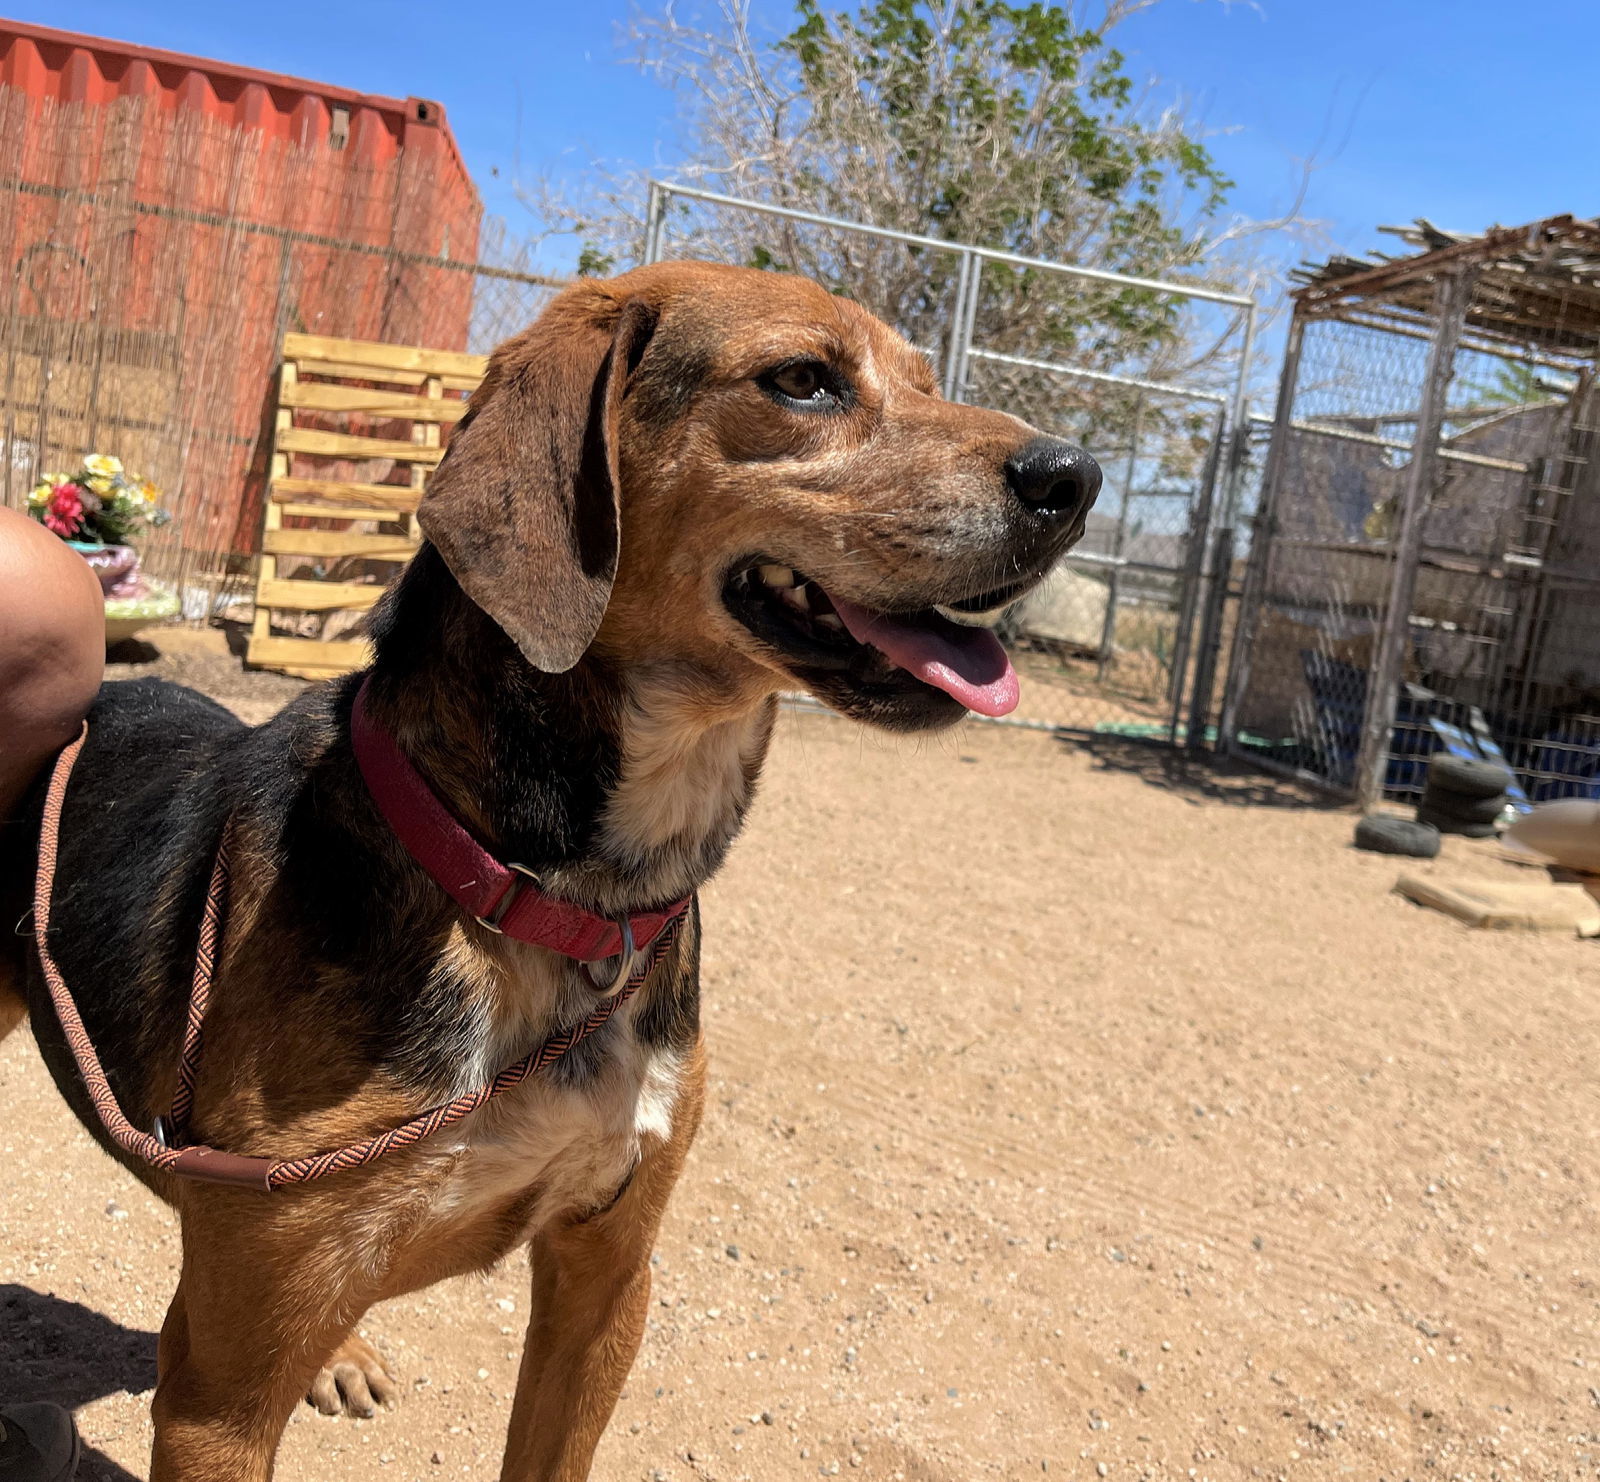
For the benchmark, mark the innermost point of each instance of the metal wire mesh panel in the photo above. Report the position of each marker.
(1125, 635)
(1428, 571)
(1504, 630)
(1108, 640)
(1325, 573)
(1126, 632)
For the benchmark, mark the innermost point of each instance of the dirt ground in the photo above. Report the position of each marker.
(1073, 1112)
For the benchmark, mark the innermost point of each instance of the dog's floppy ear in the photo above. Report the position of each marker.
(523, 507)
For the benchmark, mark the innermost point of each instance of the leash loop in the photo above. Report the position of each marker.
(121, 1131)
(164, 1148)
(609, 983)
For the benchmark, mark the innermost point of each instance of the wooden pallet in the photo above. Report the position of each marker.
(332, 538)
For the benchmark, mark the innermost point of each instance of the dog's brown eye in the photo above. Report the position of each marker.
(799, 381)
(806, 385)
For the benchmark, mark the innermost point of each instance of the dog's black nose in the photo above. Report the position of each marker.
(1053, 477)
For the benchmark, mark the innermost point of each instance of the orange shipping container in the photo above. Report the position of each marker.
(165, 219)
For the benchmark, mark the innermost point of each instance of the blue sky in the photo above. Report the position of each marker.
(1465, 111)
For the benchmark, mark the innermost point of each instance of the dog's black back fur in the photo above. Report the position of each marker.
(354, 925)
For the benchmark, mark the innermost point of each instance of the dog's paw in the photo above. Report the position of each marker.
(355, 1381)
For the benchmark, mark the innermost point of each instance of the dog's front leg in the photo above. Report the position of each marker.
(591, 1289)
(261, 1303)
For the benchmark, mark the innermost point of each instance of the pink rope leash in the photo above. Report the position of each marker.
(209, 1164)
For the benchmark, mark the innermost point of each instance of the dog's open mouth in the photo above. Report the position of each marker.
(948, 647)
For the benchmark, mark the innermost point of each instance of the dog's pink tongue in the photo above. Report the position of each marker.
(966, 663)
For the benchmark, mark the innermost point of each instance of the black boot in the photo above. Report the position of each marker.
(38, 1443)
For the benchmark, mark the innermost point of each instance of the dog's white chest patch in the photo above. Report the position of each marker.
(570, 1147)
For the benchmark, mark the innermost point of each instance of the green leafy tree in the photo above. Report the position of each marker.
(1011, 126)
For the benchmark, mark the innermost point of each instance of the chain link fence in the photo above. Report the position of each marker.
(1427, 566)
(1127, 634)
(1110, 639)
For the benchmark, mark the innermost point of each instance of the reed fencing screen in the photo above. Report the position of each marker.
(153, 261)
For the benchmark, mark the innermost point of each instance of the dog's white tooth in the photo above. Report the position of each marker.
(972, 619)
(777, 576)
(831, 621)
(797, 597)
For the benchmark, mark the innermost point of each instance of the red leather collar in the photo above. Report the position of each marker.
(503, 897)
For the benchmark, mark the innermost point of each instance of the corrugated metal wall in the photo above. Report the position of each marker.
(66, 67)
(163, 221)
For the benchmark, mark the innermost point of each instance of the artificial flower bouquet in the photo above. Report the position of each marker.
(102, 503)
(100, 510)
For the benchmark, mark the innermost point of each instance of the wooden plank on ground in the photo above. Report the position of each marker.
(334, 491)
(337, 543)
(338, 655)
(346, 445)
(1500, 906)
(393, 404)
(313, 347)
(317, 596)
(428, 435)
(272, 519)
(314, 672)
(350, 371)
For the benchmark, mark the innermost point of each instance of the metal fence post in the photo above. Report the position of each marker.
(1451, 297)
(655, 210)
(963, 341)
(1216, 556)
(1108, 626)
(1260, 540)
(1194, 560)
(958, 317)
(1221, 544)
(1239, 417)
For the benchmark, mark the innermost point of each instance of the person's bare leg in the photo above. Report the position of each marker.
(52, 649)
(52, 653)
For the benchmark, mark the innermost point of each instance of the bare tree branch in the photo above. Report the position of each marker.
(1005, 125)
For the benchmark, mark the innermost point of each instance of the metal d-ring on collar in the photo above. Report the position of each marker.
(608, 982)
(504, 904)
(623, 959)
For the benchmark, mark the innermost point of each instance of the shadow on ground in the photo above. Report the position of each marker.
(206, 659)
(132, 651)
(1198, 777)
(53, 1349)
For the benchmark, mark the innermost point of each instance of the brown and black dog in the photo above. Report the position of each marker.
(680, 492)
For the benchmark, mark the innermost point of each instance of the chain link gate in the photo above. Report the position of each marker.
(1127, 634)
(1426, 570)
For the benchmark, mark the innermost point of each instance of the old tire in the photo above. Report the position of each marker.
(1467, 777)
(1448, 823)
(1383, 833)
(1459, 809)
